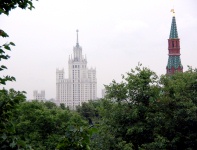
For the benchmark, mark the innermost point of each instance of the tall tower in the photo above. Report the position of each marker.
(81, 84)
(174, 60)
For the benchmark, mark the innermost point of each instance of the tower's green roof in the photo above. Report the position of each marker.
(173, 31)
(174, 61)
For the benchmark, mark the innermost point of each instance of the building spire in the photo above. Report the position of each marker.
(173, 31)
(174, 60)
(77, 44)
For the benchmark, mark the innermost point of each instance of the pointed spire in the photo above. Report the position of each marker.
(174, 60)
(173, 31)
(77, 44)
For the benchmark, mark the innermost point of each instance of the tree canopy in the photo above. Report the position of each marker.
(7, 5)
(145, 111)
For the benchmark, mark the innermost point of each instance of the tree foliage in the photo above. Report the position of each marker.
(5, 47)
(76, 138)
(147, 112)
(9, 100)
(44, 125)
(7, 5)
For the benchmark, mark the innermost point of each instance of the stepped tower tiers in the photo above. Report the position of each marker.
(81, 84)
(174, 60)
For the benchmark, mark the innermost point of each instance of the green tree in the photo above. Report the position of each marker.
(4, 56)
(41, 124)
(176, 117)
(89, 110)
(6, 5)
(135, 96)
(147, 112)
(76, 138)
(9, 100)
(47, 126)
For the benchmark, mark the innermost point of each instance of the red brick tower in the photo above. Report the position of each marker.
(174, 60)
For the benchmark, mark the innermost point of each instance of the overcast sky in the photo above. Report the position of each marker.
(114, 34)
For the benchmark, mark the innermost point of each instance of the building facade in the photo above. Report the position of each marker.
(39, 96)
(81, 84)
(174, 60)
(103, 93)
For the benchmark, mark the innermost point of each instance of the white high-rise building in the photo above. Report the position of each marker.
(103, 93)
(81, 84)
(39, 96)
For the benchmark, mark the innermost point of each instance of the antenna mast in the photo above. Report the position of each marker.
(77, 37)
